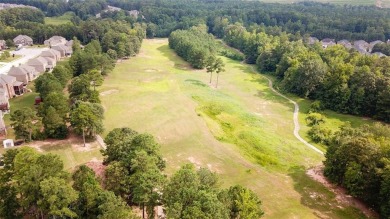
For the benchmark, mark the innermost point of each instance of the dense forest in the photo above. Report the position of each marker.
(321, 20)
(195, 46)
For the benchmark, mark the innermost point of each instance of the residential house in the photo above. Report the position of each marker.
(69, 43)
(20, 74)
(19, 88)
(23, 40)
(3, 45)
(372, 44)
(7, 83)
(134, 13)
(345, 43)
(31, 72)
(63, 50)
(51, 63)
(4, 100)
(327, 42)
(51, 53)
(312, 40)
(40, 64)
(361, 46)
(55, 40)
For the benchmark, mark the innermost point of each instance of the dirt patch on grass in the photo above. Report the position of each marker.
(150, 70)
(342, 197)
(73, 141)
(195, 162)
(108, 92)
(98, 167)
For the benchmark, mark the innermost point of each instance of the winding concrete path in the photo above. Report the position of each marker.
(297, 127)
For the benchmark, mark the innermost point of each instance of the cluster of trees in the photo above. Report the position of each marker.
(13, 16)
(36, 185)
(134, 172)
(52, 114)
(342, 80)
(195, 45)
(382, 47)
(358, 159)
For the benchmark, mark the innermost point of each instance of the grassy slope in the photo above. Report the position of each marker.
(157, 92)
(63, 19)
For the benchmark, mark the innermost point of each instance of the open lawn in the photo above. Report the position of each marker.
(241, 130)
(10, 59)
(63, 19)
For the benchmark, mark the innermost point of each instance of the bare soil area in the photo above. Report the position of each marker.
(342, 197)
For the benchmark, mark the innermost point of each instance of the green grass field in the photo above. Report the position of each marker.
(63, 19)
(341, 2)
(240, 130)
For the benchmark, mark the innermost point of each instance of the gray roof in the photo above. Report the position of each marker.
(50, 53)
(17, 71)
(61, 48)
(37, 61)
(7, 79)
(69, 43)
(375, 42)
(327, 40)
(28, 68)
(17, 83)
(21, 37)
(360, 42)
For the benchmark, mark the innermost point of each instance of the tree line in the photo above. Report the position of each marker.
(321, 20)
(342, 80)
(82, 9)
(195, 46)
(13, 16)
(358, 159)
(165, 16)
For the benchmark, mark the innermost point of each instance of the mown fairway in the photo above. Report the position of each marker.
(240, 130)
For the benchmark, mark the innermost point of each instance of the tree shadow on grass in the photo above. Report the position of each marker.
(196, 82)
(318, 198)
(179, 63)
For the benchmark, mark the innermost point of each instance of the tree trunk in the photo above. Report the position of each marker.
(30, 135)
(143, 210)
(211, 76)
(216, 85)
(84, 137)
